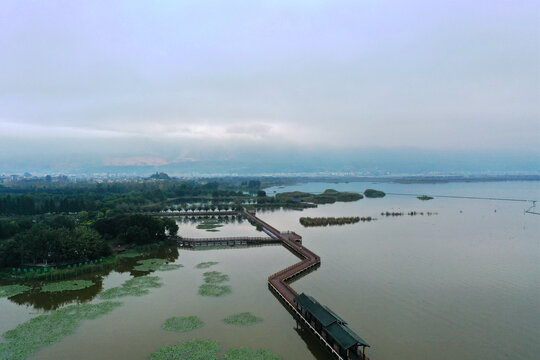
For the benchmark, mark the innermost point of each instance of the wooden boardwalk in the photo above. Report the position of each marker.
(224, 241)
(278, 282)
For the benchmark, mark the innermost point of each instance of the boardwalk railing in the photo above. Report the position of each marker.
(239, 238)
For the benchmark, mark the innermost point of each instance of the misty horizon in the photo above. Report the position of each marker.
(275, 87)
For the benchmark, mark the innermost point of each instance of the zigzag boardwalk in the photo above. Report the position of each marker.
(341, 341)
(332, 330)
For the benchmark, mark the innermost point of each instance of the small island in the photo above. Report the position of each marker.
(371, 193)
(424, 198)
(329, 196)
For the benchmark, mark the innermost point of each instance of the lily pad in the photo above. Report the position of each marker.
(182, 324)
(250, 354)
(242, 319)
(215, 277)
(45, 330)
(190, 350)
(67, 285)
(133, 287)
(206, 265)
(156, 265)
(12, 290)
(214, 290)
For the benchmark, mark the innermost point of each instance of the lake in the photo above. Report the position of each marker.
(463, 283)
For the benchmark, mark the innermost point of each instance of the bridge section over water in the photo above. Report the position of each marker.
(331, 330)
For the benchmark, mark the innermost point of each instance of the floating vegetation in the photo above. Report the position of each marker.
(424, 198)
(250, 354)
(68, 285)
(155, 265)
(12, 290)
(206, 265)
(214, 290)
(215, 277)
(208, 350)
(242, 319)
(133, 287)
(130, 254)
(325, 221)
(44, 330)
(210, 225)
(189, 350)
(182, 324)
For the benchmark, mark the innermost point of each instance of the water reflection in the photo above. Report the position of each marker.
(49, 301)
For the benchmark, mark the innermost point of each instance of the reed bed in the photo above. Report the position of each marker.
(325, 221)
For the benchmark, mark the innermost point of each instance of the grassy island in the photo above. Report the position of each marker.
(325, 221)
(329, 196)
(424, 198)
(371, 193)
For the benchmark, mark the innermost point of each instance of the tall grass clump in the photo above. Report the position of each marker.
(133, 287)
(45, 330)
(182, 324)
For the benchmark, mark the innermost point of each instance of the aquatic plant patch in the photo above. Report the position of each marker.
(250, 354)
(69, 285)
(209, 225)
(12, 290)
(215, 277)
(156, 265)
(133, 287)
(190, 350)
(242, 319)
(182, 324)
(206, 265)
(45, 330)
(130, 254)
(214, 290)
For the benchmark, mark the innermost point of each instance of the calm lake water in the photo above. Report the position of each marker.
(464, 283)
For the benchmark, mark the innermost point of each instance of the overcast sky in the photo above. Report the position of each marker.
(164, 81)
